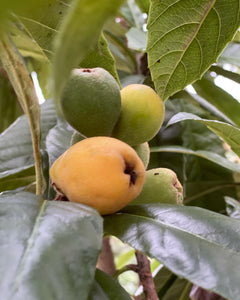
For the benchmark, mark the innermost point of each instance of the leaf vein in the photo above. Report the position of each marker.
(30, 243)
(207, 11)
(219, 29)
(163, 12)
(165, 54)
(171, 30)
(187, 233)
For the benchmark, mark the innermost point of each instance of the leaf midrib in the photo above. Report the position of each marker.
(189, 43)
(30, 243)
(195, 32)
(184, 232)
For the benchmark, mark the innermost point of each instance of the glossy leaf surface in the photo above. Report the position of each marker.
(15, 142)
(194, 243)
(230, 134)
(48, 250)
(223, 101)
(211, 156)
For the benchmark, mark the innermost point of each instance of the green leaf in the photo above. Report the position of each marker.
(231, 55)
(125, 258)
(212, 156)
(40, 24)
(143, 5)
(58, 140)
(230, 134)
(32, 32)
(193, 243)
(9, 106)
(132, 14)
(228, 74)
(203, 181)
(106, 288)
(48, 250)
(185, 38)
(78, 34)
(17, 7)
(125, 59)
(170, 287)
(223, 101)
(237, 37)
(34, 55)
(17, 179)
(179, 290)
(137, 39)
(101, 57)
(16, 152)
(233, 207)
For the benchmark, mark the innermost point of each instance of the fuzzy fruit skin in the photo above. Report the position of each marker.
(96, 172)
(91, 101)
(143, 152)
(141, 116)
(161, 186)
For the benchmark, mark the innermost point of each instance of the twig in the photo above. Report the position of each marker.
(145, 276)
(25, 91)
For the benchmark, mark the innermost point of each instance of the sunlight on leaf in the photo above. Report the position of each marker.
(214, 157)
(230, 134)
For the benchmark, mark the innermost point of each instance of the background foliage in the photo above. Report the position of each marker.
(167, 45)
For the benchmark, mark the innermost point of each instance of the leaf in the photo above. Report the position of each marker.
(223, 101)
(16, 6)
(41, 24)
(194, 243)
(48, 250)
(212, 156)
(79, 33)
(231, 55)
(125, 258)
(58, 140)
(203, 180)
(15, 142)
(101, 57)
(125, 59)
(132, 14)
(34, 55)
(106, 288)
(17, 179)
(169, 286)
(209, 108)
(9, 107)
(32, 32)
(143, 5)
(228, 74)
(233, 207)
(137, 39)
(181, 46)
(229, 133)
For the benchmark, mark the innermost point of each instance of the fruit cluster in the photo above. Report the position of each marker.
(105, 166)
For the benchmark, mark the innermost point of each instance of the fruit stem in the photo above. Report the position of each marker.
(23, 86)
